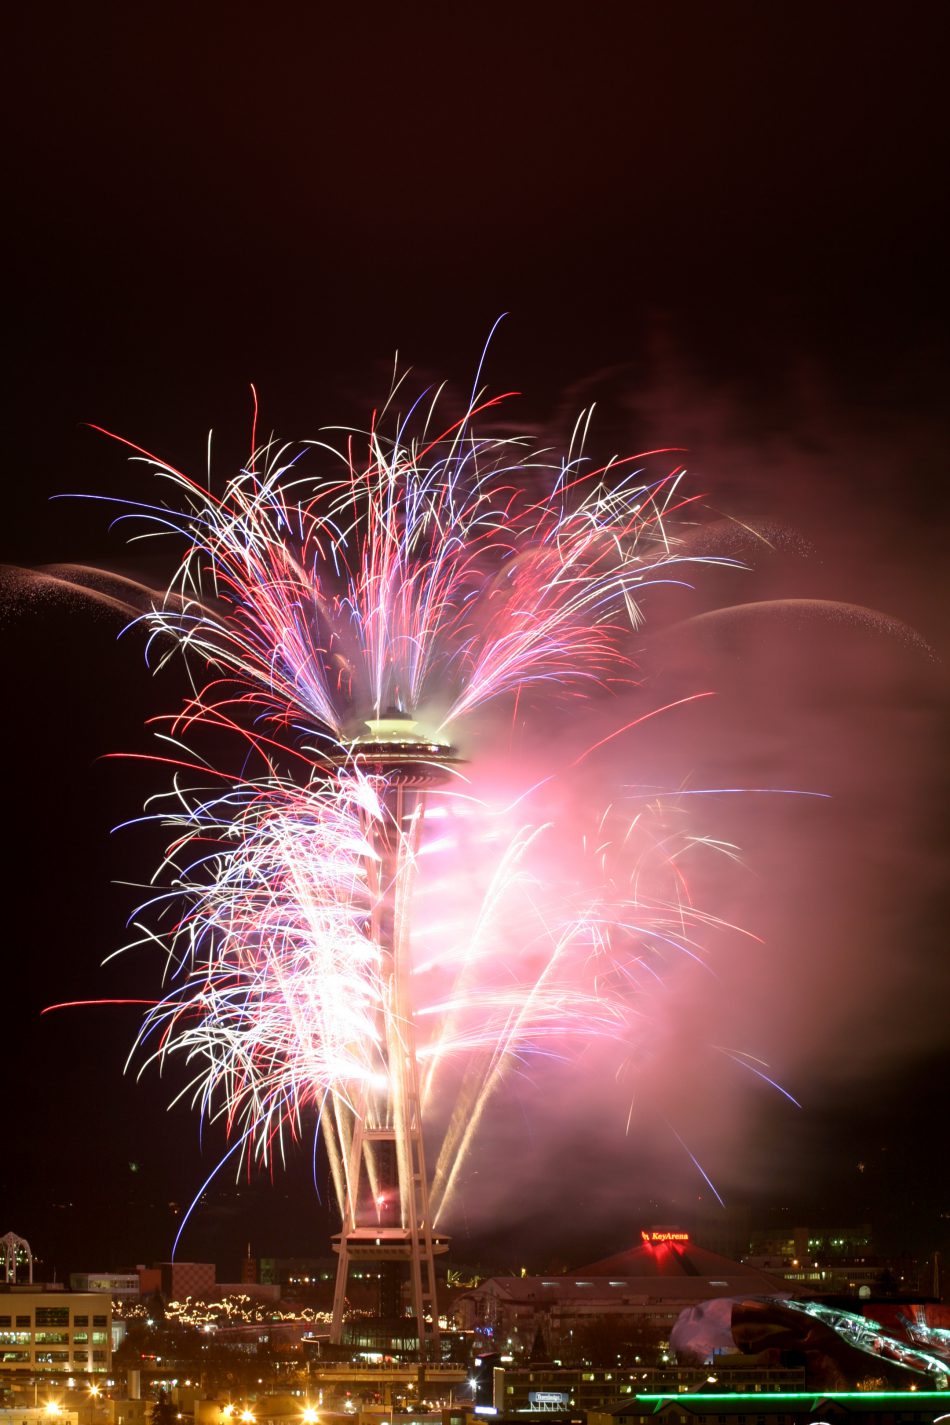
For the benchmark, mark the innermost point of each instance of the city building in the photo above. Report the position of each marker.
(38, 1415)
(121, 1286)
(652, 1283)
(176, 1280)
(799, 1408)
(52, 1331)
(296, 1274)
(839, 1261)
(518, 1389)
(181, 1281)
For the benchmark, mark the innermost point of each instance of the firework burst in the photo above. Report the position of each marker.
(324, 936)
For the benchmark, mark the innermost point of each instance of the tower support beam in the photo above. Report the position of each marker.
(380, 1146)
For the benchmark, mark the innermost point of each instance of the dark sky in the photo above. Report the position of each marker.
(725, 222)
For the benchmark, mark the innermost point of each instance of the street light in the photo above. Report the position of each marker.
(309, 1415)
(95, 1392)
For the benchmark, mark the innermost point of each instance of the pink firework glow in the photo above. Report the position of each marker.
(534, 906)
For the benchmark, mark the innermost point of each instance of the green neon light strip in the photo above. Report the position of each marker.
(816, 1395)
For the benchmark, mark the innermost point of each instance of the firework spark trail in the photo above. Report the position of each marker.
(277, 991)
(277, 994)
(621, 916)
(513, 985)
(432, 575)
(403, 582)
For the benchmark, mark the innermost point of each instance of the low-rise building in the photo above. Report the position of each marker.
(39, 1415)
(800, 1408)
(54, 1331)
(540, 1388)
(651, 1283)
(121, 1286)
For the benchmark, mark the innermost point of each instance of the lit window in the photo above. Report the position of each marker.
(52, 1316)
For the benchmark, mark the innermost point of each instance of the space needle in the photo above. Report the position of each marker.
(386, 1214)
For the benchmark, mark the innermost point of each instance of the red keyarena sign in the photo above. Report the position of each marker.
(651, 1237)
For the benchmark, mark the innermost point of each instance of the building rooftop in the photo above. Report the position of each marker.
(674, 1260)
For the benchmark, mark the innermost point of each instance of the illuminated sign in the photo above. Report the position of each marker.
(655, 1235)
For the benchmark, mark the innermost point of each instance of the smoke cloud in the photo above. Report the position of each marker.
(823, 654)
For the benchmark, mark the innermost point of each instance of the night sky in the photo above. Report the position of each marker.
(724, 223)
